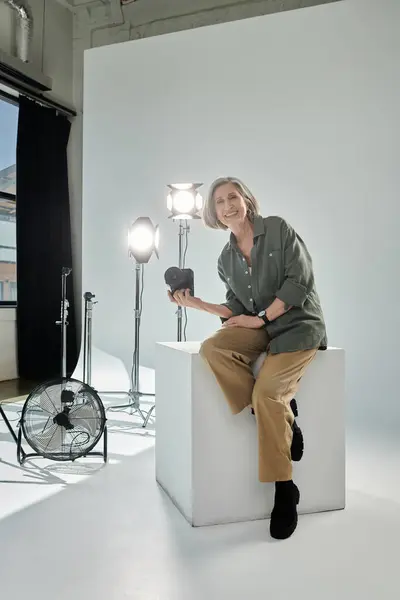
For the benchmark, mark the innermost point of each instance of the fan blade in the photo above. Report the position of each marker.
(50, 439)
(85, 418)
(47, 404)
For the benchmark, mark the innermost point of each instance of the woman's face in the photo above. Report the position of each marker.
(230, 205)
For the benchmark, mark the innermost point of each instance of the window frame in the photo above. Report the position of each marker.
(6, 196)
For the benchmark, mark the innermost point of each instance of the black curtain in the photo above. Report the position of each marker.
(43, 242)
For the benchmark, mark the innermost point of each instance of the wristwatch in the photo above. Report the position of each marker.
(263, 315)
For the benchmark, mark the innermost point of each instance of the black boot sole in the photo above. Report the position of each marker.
(283, 533)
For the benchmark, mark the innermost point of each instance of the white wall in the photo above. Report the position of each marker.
(105, 23)
(304, 107)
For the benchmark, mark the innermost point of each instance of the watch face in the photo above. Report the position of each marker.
(262, 313)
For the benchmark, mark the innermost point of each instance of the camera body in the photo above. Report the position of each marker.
(179, 279)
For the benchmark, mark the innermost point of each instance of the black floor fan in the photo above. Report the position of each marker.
(63, 419)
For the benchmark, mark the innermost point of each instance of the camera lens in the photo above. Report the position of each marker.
(172, 275)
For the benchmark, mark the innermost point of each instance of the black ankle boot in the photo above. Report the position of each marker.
(284, 514)
(297, 447)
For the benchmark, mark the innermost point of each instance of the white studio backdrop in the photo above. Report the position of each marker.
(304, 107)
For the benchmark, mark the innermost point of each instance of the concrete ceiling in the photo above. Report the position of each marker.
(159, 8)
(102, 22)
(75, 5)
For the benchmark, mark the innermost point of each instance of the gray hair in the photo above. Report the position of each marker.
(209, 211)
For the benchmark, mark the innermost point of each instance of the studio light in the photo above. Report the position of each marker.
(184, 201)
(143, 240)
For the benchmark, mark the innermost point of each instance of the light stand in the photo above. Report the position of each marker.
(184, 202)
(64, 319)
(87, 336)
(184, 229)
(141, 253)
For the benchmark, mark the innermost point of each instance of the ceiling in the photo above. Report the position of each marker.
(75, 5)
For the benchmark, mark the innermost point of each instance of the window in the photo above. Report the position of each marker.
(8, 246)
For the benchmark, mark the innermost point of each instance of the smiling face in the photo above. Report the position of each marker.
(230, 205)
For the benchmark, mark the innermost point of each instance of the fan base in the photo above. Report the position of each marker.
(22, 456)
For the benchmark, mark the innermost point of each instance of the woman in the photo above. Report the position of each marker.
(271, 304)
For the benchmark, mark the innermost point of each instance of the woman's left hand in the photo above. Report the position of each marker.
(244, 321)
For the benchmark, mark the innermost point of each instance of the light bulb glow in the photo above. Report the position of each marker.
(199, 201)
(182, 186)
(183, 201)
(141, 238)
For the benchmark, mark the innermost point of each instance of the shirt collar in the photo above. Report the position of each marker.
(259, 229)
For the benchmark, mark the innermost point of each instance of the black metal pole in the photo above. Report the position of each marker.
(180, 261)
(85, 342)
(63, 323)
(87, 338)
(135, 383)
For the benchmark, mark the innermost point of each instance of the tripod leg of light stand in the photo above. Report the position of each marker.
(9, 427)
(149, 415)
(133, 404)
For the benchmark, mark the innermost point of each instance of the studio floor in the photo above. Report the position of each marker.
(87, 531)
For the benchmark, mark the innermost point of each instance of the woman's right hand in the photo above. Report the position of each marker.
(184, 299)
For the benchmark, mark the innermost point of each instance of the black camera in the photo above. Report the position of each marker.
(179, 279)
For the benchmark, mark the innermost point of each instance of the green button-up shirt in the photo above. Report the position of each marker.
(281, 267)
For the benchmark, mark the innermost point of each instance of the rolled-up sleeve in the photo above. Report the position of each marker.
(231, 301)
(299, 278)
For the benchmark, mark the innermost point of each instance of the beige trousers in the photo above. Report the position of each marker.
(230, 354)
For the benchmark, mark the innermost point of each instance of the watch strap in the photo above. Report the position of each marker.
(263, 315)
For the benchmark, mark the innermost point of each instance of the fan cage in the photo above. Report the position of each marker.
(73, 403)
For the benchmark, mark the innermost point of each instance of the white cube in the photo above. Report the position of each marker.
(207, 459)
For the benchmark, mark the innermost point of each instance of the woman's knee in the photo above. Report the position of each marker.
(211, 347)
(207, 349)
(266, 390)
